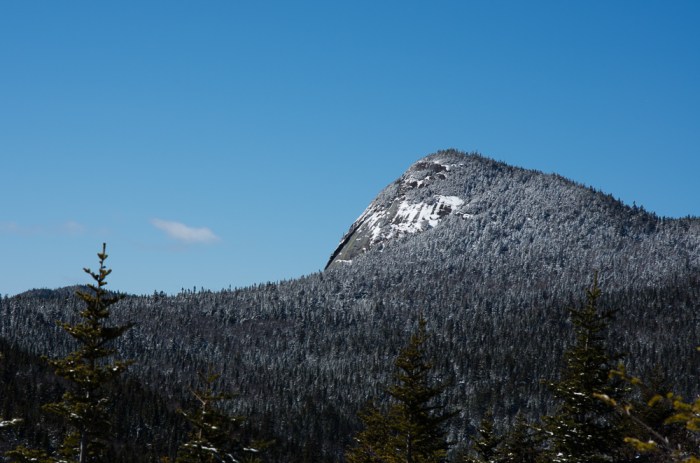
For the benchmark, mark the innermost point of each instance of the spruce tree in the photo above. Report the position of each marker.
(521, 444)
(485, 449)
(411, 429)
(215, 435)
(584, 429)
(8, 423)
(88, 371)
(662, 424)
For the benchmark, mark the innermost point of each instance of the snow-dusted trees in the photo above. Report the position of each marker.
(485, 447)
(216, 435)
(411, 429)
(88, 370)
(584, 429)
(7, 423)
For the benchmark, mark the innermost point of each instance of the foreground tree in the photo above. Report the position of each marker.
(411, 429)
(88, 371)
(215, 435)
(584, 429)
(485, 448)
(664, 427)
(521, 444)
(5, 423)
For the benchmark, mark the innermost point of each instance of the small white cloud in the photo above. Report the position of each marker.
(181, 232)
(72, 228)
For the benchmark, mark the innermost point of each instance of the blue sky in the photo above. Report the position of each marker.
(216, 144)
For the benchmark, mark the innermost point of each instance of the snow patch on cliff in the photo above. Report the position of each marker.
(407, 217)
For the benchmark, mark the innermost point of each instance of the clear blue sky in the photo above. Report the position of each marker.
(229, 143)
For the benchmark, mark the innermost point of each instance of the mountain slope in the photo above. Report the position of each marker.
(407, 206)
(491, 254)
(450, 205)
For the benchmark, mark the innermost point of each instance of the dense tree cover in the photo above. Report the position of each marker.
(328, 363)
(521, 444)
(85, 406)
(88, 375)
(307, 354)
(411, 429)
(485, 445)
(591, 420)
(215, 436)
(583, 429)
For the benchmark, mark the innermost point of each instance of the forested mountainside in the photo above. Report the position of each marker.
(471, 204)
(146, 424)
(491, 255)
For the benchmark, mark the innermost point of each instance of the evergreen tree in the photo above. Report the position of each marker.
(486, 447)
(215, 436)
(662, 424)
(584, 429)
(370, 443)
(521, 444)
(8, 423)
(88, 370)
(411, 430)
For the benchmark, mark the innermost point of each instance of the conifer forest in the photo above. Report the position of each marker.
(476, 312)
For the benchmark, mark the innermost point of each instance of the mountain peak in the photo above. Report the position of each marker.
(429, 191)
(467, 201)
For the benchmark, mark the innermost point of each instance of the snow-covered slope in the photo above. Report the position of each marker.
(450, 205)
(419, 200)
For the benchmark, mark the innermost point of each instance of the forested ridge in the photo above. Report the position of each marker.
(493, 282)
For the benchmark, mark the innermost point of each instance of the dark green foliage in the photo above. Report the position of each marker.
(215, 435)
(412, 429)
(22, 454)
(145, 424)
(661, 424)
(370, 443)
(25, 383)
(6, 423)
(85, 406)
(584, 429)
(650, 414)
(330, 362)
(521, 444)
(485, 448)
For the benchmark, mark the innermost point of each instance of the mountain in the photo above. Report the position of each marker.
(492, 255)
(417, 201)
(469, 201)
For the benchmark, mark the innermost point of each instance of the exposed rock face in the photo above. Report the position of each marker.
(429, 191)
(451, 206)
